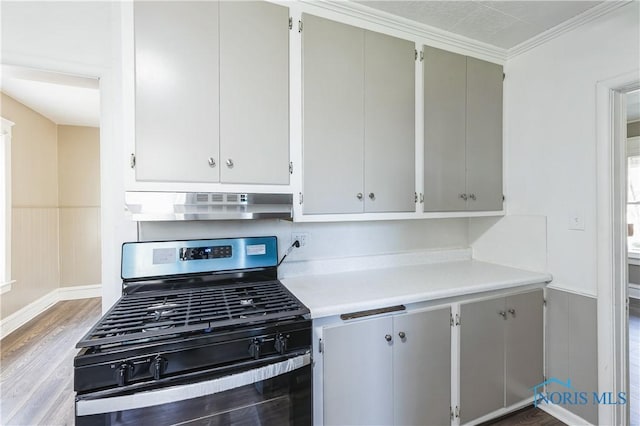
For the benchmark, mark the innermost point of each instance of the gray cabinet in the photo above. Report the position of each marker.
(212, 92)
(462, 133)
(358, 120)
(501, 352)
(389, 370)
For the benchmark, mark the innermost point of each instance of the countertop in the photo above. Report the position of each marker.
(338, 293)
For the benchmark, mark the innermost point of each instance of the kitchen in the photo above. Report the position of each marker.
(541, 138)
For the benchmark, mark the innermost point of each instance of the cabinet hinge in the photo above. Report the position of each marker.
(415, 54)
(450, 413)
(450, 319)
(415, 197)
(421, 198)
(132, 161)
(503, 198)
(299, 26)
(421, 56)
(503, 76)
(458, 319)
(457, 412)
(301, 198)
(544, 302)
(320, 346)
(290, 23)
(290, 167)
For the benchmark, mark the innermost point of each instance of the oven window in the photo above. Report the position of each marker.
(282, 400)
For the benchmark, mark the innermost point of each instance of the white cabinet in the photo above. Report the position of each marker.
(388, 370)
(462, 133)
(501, 352)
(176, 109)
(212, 92)
(358, 120)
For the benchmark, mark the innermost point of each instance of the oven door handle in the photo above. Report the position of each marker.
(86, 407)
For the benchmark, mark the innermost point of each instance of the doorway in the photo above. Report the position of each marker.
(55, 191)
(632, 149)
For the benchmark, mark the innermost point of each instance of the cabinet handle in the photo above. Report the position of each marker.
(230, 163)
(473, 197)
(388, 337)
(402, 335)
(359, 195)
(503, 314)
(463, 196)
(212, 162)
(512, 312)
(372, 196)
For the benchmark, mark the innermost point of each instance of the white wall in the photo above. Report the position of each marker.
(550, 144)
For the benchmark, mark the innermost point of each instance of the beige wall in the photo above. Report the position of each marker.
(79, 200)
(34, 224)
(55, 206)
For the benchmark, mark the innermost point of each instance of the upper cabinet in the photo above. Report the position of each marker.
(462, 133)
(358, 120)
(211, 92)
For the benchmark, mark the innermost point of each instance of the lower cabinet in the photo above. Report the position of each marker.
(388, 370)
(501, 352)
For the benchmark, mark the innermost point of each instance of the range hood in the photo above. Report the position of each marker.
(174, 206)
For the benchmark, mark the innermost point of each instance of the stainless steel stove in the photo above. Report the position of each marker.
(204, 334)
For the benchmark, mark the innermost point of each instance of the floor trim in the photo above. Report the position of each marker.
(563, 415)
(16, 320)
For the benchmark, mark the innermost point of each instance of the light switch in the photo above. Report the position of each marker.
(576, 222)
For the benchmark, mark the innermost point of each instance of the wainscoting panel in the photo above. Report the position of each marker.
(35, 254)
(80, 251)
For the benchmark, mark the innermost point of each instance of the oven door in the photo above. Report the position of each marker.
(278, 393)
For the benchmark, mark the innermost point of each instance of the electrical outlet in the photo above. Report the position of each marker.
(302, 237)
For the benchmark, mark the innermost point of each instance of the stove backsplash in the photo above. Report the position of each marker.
(325, 240)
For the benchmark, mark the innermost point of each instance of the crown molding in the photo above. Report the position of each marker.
(420, 32)
(566, 26)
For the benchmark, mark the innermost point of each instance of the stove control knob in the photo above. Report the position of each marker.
(281, 343)
(254, 348)
(157, 367)
(123, 373)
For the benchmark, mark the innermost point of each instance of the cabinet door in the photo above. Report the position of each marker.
(484, 135)
(444, 130)
(176, 66)
(422, 368)
(524, 345)
(481, 358)
(389, 123)
(357, 377)
(333, 116)
(254, 92)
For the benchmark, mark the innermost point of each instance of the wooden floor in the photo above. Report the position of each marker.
(529, 416)
(634, 360)
(36, 365)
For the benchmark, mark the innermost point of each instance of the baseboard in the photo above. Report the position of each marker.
(16, 320)
(19, 318)
(80, 292)
(501, 412)
(564, 415)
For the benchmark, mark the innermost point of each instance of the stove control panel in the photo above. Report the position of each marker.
(157, 259)
(211, 252)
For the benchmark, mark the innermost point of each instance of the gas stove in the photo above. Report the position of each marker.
(196, 312)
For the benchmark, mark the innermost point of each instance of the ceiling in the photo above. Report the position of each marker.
(62, 98)
(503, 24)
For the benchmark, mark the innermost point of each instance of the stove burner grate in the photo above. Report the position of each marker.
(142, 316)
